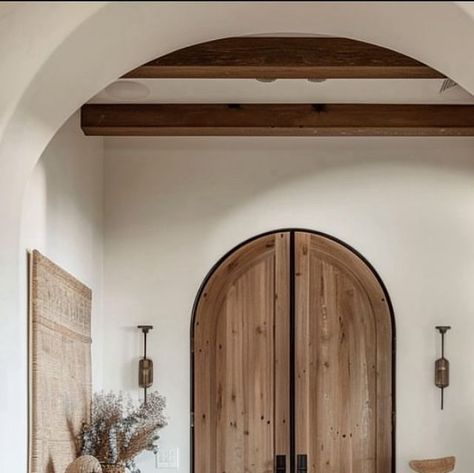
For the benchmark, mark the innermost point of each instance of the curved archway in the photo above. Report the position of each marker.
(35, 102)
(293, 347)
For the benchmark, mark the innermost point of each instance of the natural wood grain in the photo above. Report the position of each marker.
(434, 465)
(284, 57)
(343, 361)
(234, 362)
(277, 120)
(282, 346)
(343, 365)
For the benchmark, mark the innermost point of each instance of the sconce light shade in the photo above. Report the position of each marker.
(145, 373)
(442, 373)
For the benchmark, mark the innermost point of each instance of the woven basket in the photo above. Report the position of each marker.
(435, 465)
(107, 468)
(84, 464)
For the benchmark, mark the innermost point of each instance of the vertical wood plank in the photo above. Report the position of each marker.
(282, 346)
(303, 343)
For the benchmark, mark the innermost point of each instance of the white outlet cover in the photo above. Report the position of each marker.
(168, 458)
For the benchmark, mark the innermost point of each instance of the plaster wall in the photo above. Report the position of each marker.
(54, 57)
(63, 218)
(173, 207)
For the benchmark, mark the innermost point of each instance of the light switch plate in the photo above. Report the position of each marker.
(168, 458)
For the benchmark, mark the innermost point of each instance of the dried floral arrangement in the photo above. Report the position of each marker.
(119, 429)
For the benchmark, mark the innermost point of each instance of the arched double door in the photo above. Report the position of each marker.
(292, 361)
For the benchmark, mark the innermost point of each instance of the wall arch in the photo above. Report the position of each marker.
(64, 49)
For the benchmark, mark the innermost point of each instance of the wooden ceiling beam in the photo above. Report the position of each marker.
(277, 120)
(285, 57)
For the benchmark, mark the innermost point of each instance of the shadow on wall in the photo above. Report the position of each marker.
(194, 171)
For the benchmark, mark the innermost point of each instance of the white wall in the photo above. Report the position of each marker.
(43, 83)
(63, 218)
(174, 206)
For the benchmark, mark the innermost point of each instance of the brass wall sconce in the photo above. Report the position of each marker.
(145, 366)
(442, 365)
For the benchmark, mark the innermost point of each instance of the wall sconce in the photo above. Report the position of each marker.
(145, 366)
(442, 366)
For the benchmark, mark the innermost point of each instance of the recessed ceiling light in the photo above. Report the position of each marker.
(266, 79)
(127, 90)
(316, 80)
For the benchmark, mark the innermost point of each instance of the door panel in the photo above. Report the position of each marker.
(343, 360)
(241, 361)
(292, 354)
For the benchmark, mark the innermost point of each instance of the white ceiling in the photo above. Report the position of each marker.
(281, 91)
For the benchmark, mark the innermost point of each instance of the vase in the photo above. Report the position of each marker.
(109, 468)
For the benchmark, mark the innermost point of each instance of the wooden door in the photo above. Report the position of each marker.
(241, 361)
(343, 340)
(292, 356)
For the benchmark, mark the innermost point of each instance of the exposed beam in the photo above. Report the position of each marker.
(277, 120)
(285, 57)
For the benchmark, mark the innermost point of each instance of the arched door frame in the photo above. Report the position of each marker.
(223, 258)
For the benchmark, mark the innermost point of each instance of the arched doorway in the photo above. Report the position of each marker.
(293, 342)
